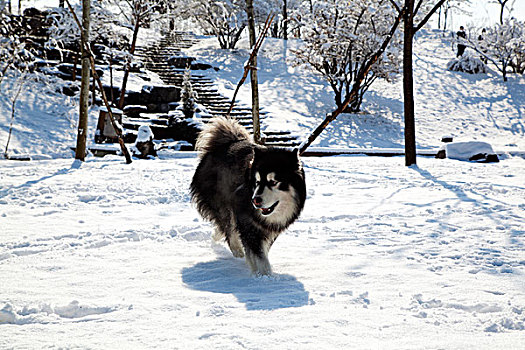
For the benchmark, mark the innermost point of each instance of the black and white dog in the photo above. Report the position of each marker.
(250, 193)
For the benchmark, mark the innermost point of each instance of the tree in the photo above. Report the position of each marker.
(189, 96)
(363, 72)
(417, 14)
(226, 19)
(253, 74)
(340, 38)
(503, 45)
(80, 152)
(140, 10)
(502, 4)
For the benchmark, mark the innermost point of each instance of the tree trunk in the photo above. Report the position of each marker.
(502, 3)
(80, 152)
(408, 86)
(439, 18)
(253, 74)
(128, 65)
(285, 19)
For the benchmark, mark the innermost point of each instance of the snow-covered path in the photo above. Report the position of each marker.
(108, 255)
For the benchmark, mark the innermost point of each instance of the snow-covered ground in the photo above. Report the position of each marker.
(109, 255)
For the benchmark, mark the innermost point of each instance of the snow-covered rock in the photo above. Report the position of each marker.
(470, 150)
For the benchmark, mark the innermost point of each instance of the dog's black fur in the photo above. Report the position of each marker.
(224, 189)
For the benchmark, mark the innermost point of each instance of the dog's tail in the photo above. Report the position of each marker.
(220, 132)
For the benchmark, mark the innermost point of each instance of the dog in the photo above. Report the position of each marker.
(250, 193)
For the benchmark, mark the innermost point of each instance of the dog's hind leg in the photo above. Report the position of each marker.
(234, 239)
(235, 244)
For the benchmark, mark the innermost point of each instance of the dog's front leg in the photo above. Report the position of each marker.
(258, 261)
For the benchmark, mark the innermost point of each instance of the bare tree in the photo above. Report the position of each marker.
(140, 9)
(423, 9)
(253, 74)
(13, 110)
(80, 152)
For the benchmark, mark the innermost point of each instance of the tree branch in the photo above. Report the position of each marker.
(427, 17)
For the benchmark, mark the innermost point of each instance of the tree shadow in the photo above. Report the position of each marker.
(74, 166)
(231, 276)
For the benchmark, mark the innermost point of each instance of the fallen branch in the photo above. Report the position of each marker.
(355, 88)
(249, 65)
(116, 127)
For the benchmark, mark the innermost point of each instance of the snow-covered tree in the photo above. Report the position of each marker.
(226, 19)
(503, 45)
(282, 9)
(13, 52)
(340, 37)
(188, 95)
(64, 33)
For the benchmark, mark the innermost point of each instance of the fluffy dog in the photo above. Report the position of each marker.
(250, 193)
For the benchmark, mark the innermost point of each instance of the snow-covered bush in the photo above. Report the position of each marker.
(341, 36)
(467, 64)
(503, 45)
(189, 96)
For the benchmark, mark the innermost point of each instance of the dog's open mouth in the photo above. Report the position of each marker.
(268, 211)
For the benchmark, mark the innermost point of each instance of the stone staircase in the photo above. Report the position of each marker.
(167, 59)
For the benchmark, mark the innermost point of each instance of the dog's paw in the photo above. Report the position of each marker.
(260, 265)
(238, 253)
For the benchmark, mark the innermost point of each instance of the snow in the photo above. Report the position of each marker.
(144, 134)
(102, 254)
(466, 150)
(469, 107)
(384, 256)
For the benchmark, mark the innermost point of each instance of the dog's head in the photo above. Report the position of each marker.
(277, 180)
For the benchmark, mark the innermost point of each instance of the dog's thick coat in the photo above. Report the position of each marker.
(250, 193)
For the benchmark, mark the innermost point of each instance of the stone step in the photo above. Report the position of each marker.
(156, 56)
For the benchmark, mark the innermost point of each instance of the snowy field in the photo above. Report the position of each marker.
(109, 255)
(105, 255)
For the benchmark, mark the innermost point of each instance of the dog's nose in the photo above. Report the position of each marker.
(257, 201)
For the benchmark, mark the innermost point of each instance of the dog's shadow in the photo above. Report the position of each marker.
(232, 276)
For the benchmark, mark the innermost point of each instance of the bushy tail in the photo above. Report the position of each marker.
(220, 132)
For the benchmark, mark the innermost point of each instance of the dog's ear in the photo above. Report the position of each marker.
(295, 153)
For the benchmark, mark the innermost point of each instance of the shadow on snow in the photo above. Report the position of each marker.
(232, 276)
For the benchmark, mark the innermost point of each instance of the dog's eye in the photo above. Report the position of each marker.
(272, 183)
(257, 183)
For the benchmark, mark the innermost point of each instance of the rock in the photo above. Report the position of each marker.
(133, 111)
(472, 151)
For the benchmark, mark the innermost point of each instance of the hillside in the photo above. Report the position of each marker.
(468, 107)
